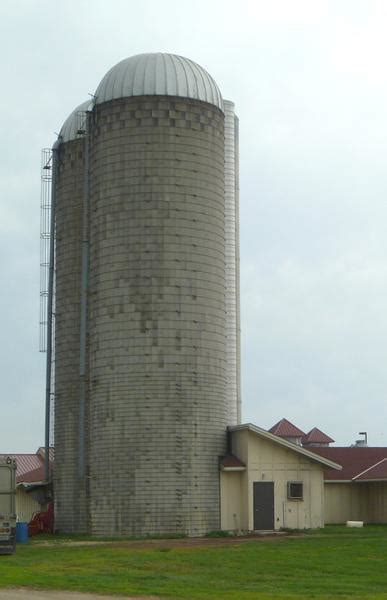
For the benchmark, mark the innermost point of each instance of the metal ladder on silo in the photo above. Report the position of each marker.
(47, 304)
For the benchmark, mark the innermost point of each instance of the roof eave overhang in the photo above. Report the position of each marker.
(232, 469)
(354, 480)
(34, 484)
(338, 480)
(281, 442)
(371, 480)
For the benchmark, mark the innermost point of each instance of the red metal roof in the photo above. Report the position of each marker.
(285, 428)
(231, 461)
(34, 476)
(377, 471)
(316, 436)
(51, 452)
(354, 460)
(25, 462)
(30, 467)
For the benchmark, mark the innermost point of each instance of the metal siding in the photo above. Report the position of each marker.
(26, 506)
(232, 267)
(237, 273)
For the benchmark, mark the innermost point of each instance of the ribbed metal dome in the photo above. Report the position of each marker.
(70, 128)
(158, 74)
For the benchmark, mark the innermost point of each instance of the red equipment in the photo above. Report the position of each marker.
(42, 522)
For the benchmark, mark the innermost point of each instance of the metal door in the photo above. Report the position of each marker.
(263, 504)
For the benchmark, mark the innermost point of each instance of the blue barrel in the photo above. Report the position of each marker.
(21, 533)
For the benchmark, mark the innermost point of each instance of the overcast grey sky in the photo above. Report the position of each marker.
(309, 81)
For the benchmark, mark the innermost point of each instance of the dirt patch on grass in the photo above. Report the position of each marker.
(202, 542)
(28, 594)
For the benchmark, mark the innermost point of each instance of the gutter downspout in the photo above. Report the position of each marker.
(229, 440)
(84, 305)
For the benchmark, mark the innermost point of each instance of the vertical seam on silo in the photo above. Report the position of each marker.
(124, 79)
(192, 65)
(176, 77)
(181, 62)
(164, 61)
(146, 66)
(134, 77)
(215, 100)
(202, 72)
(106, 95)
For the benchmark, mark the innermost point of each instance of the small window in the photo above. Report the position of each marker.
(295, 490)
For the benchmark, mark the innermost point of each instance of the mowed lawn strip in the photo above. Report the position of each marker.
(331, 564)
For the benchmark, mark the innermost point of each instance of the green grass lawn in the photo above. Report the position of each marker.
(332, 563)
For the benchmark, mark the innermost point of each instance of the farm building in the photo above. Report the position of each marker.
(359, 491)
(268, 482)
(32, 492)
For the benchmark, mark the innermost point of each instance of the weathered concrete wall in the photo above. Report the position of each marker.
(70, 189)
(158, 409)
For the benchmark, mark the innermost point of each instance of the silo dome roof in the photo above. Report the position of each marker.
(71, 126)
(158, 74)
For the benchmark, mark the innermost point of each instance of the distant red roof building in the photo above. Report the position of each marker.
(316, 437)
(286, 429)
(35, 476)
(25, 463)
(51, 452)
(30, 467)
(360, 463)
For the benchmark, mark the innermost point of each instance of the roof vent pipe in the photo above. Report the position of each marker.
(363, 442)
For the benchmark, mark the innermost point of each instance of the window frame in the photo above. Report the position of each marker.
(292, 496)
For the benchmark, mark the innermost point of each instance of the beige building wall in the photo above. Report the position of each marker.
(26, 506)
(377, 501)
(267, 461)
(354, 501)
(231, 493)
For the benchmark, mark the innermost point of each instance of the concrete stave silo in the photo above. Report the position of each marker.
(155, 399)
(69, 193)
